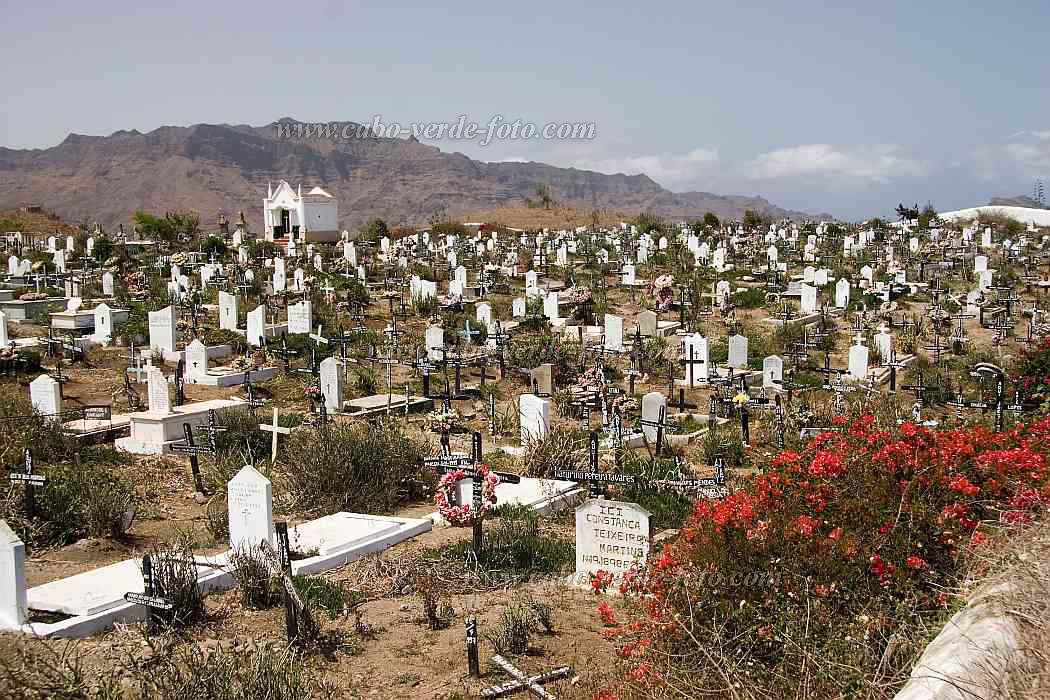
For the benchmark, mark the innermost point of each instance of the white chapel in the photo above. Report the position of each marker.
(313, 216)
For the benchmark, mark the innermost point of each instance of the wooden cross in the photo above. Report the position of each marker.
(160, 608)
(275, 430)
(449, 462)
(593, 478)
(32, 482)
(534, 684)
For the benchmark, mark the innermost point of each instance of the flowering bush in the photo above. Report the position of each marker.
(442, 421)
(661, 290)
(32, 296)
(1032, 374)
(465, 515)
(827, 554)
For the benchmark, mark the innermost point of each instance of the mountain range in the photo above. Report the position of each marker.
(213, 168)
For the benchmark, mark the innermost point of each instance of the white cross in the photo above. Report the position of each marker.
(275, 430)
(318, 338)
(522, 682)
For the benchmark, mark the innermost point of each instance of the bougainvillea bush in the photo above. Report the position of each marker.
(1032, 372)
(828, 571)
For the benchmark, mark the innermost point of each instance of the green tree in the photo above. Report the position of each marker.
(927, 215)
(373, 231)
(103, 249)
(711, 220)
(213, 245)
(647, 222)
(754, 220)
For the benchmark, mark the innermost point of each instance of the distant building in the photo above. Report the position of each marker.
(313, 216)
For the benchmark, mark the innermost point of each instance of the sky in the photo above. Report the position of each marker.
(845, 107)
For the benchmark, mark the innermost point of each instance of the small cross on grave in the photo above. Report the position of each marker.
(249, 393)
(285, 354)
(187, 446)
(593, 478)
(534, 684)
(918, 390)
(274, 429)
(180, 382)
(448, 462)
(161, 610)
(893, 364)
(709, 487)
(31, 481)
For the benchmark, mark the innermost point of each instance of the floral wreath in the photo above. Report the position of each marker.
(464, 515)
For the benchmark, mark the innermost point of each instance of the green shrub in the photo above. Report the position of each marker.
(363, 468)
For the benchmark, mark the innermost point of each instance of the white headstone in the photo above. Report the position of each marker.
(103, 324)
(534, 413)
(858, 362)
(611, 536)
(250, 499)
(651, 405)
(4, 339)
(107, 283)
(157, 391)
(483, 313)
(300, 317)
(738, 352)
(256, 326)
(695, 355)
(46, 396)
(227, 311)
(331, 378)
(809, 298)
(162, 329)
(550, 307)
(842, 293)
(614, 332)
(196, 356)
(14, 606)
(517, 307)
(435, 339)
(772, 372)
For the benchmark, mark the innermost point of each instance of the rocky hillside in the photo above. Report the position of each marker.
(213, 168)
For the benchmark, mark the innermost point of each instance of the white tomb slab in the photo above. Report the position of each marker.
(13, 603)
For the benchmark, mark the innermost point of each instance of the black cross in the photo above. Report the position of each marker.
(31, 481)
(161, 609)
(448, 462)
(593, 478)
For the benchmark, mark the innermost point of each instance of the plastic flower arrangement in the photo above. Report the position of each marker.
(465, 515)
(661, 290)
(442, 421)
(582, 295)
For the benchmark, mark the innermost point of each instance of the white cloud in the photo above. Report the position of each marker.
(874, 164)
(1025, 154)
(666, 168)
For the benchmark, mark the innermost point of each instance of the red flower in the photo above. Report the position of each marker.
(605, 611)
(916, 562)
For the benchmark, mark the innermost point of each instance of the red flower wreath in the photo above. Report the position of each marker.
(464, 515)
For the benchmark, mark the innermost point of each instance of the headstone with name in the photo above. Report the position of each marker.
(611, 536)
(107, 283)
(647, 324)
(157, 388)
(842, 293)
(300, 317)
(250, 501)
(162, 329)
(614, 332)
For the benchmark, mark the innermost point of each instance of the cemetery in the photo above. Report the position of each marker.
(489, 452)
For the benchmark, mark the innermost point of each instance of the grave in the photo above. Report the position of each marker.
(611, 536)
